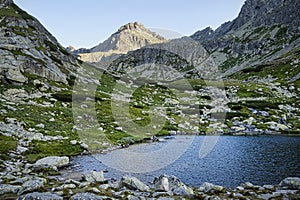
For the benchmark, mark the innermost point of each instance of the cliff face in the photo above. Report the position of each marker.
(256, 13)
(27, 48)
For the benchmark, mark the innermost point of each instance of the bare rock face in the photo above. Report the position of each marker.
(27, 48)
(264, 31)
(129, 37)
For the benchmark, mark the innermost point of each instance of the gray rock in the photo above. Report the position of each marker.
(43, 196)
(131, 197)
(54, 161)
(211, 188)
(269, 196)
(178, 187)
(269, 187)
(290, 183)
(32, 185)
(94, 177)
(247, 185)
(161, 183)
(5, 188)
(85, 196)
(133, 183)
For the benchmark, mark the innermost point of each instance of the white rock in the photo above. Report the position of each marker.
(94, 177)
(40, 125)
(53, 161)
(73, 142)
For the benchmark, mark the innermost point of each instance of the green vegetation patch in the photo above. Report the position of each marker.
(14, 11)
(7, 145)
(39, 149)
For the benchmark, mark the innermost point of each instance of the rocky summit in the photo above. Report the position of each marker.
(129, 37)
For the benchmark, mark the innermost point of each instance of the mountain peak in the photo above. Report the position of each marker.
(131, 26)
(128, 37)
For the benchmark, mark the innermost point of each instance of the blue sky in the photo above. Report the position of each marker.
(87, 23)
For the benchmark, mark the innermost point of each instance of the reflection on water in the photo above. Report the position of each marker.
(235, 159)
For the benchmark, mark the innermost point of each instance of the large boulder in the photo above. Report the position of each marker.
(86, 195)
(5, 189)
(291, 183)
(53, 161)
(39, 195)
(173, 184)
(94, 177)
(133, 183)
(162, 183)
(211, 188)
(32, 185)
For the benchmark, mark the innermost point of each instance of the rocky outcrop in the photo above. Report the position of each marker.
(27, 48)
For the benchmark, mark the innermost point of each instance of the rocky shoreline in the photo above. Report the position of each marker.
(44, 180)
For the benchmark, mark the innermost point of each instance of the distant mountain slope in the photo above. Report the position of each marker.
(129, 37)
(27, 48)
(265, 33)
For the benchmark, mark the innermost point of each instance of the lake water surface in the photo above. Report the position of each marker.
(233, 160)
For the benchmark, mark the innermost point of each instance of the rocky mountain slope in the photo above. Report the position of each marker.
(129, 37)
(27, 48)
(265, 34)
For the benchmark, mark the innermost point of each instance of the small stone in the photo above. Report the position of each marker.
(73, 142)
(240, 188)
(85, 146)
(69, 186)
(40, 126)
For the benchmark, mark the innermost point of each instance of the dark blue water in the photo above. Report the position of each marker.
(234, 160)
